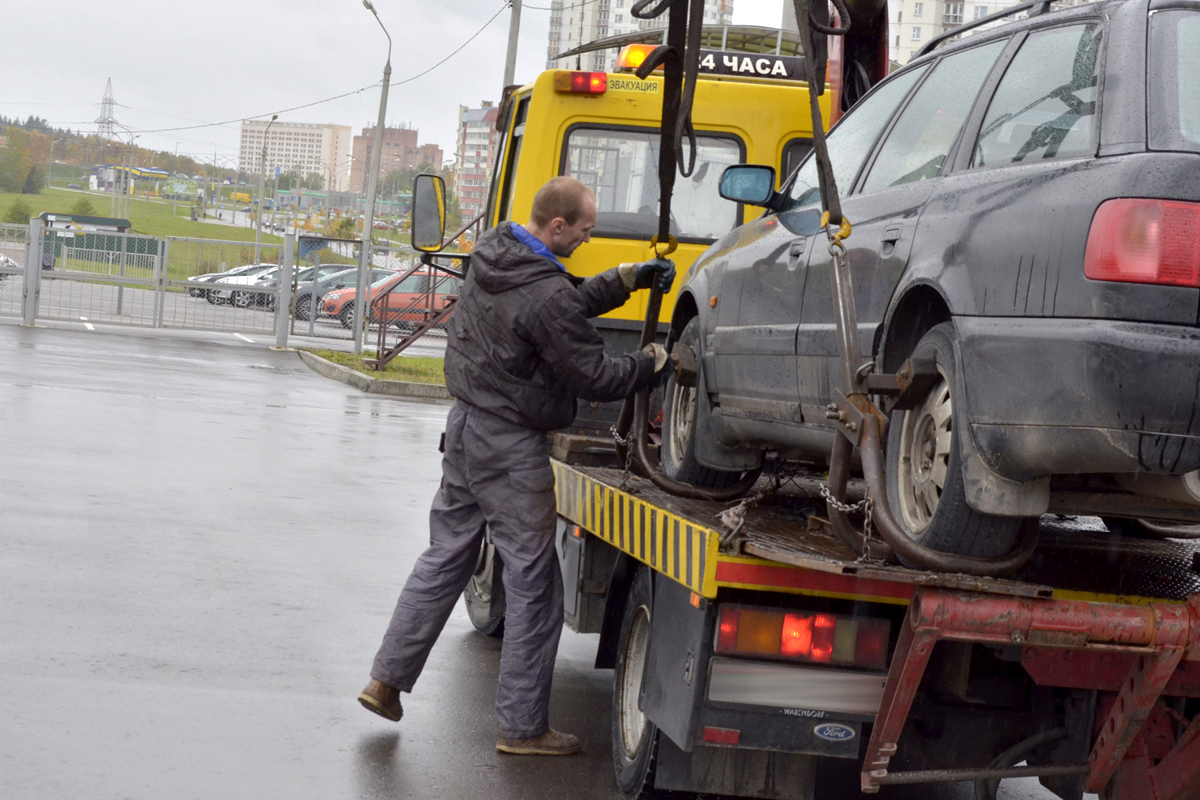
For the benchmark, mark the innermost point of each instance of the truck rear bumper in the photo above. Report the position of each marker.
(1068, 396)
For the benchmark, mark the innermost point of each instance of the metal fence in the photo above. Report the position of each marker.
(305, 287)
(218, 285)
(102, 277)
(14, 242)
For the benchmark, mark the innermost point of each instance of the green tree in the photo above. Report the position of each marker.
(15, 160)
(18, 212)
(343, 228)
(83, 208)
(34, 179)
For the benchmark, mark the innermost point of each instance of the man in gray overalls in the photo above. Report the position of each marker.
(519, 352)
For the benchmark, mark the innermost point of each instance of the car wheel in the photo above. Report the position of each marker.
(634, 737)
(1152, 528)
(347, 316)
(303, 307)
(924, 470)
(679, 426)
(484, 594)
(213, 297)
(241, 299)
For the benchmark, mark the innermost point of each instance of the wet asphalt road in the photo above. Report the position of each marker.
(200, 545)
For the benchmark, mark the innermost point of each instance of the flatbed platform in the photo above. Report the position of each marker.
(785, 545)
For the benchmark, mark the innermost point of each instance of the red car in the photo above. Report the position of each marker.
(407, 301)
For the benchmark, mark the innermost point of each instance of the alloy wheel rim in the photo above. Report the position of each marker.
(925, 440)
(683, 415)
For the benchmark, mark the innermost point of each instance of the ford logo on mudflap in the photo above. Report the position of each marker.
(832, 732)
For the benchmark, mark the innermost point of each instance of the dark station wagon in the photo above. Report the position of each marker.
(1025, 206)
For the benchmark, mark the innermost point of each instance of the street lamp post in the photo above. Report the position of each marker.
(262, 187)
(50, 160)
(360, 295)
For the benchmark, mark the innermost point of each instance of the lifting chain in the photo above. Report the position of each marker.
(627, 443)
(865, 507)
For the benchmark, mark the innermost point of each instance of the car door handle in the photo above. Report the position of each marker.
(795, 251)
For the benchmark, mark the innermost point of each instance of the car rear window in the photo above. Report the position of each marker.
(921, 139)
(1045, 105)
(1174, 88)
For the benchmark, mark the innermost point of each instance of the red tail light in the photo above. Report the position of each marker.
(1145, 241)
(801, 636)
(580, 82)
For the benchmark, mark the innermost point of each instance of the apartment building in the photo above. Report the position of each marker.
(574, 22)
(297, 146)
(475, 157)
(399, 151)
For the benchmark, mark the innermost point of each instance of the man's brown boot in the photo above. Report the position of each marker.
(381, 699)
(550, 743)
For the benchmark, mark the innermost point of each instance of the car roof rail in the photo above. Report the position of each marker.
(1036, 8)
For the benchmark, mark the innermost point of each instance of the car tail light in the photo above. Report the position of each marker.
(803, 636)
(580, 82)
(1145, 241)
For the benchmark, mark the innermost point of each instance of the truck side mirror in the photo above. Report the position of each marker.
(748, 183)
(428, 213)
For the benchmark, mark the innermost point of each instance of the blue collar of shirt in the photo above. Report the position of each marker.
(533, 243)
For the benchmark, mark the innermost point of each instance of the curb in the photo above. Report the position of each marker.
(337, 372)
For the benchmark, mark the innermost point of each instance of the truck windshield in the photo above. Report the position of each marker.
(1174, 90)
(621, 167)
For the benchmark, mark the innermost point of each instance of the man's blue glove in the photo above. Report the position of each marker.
(647, 271)
(641, 276)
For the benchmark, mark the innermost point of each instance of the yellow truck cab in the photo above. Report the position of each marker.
(751, 106)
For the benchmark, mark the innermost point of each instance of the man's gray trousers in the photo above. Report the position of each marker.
(494, 474)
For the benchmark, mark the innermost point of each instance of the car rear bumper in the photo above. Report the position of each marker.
(1069, 396)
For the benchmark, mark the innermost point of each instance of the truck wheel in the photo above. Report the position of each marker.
(484, 594)
(679, 426)
(924, 473)
(634, 738)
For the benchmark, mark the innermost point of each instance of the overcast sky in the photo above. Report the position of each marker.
(179, 65)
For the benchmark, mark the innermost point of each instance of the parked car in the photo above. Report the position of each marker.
(9, 266)
(222, 288)
(202, 291)
(74, 186)
(344, 278)
(1025, 206)
(407, 299)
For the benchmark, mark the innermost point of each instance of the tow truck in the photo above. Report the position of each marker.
(750, 644)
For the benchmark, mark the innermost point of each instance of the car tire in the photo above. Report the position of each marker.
(484, 595)
(346, 317)
(1151, 528)
(678, 453)
(303, 307)
(924, 469)
(241, 299)
(213, 297)
(634, 737)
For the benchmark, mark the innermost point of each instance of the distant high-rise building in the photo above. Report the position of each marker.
(400, 151)
(474, 157)
(912, 23)
(301, 147)
(576, 22)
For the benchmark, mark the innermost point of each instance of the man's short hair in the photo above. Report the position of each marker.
(560, 197)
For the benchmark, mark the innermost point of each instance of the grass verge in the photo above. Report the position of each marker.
(414, 369)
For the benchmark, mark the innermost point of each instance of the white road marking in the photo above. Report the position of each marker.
(87, 324)
(244, 338)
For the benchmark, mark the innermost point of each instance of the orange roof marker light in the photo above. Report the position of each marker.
(571, 82)
(633, 56)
